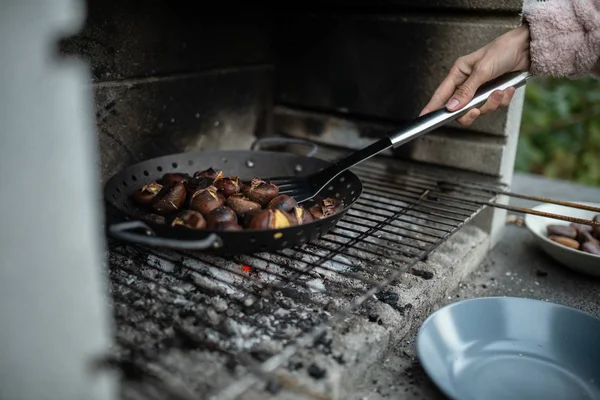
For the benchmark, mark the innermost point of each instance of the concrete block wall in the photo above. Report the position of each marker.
(349, 75)
(167, 78)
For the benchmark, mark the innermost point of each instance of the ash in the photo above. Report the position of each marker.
(200, 319)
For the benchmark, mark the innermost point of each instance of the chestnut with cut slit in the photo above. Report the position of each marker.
(270, 219)
(169, 199)
(260, 191)
(189, 219)
(325, 208)
(228, 186)
(206, 200)
(209, 173)
(241, 205)
(144, 195)
(282, 202)
(194, 185)
(301, 215)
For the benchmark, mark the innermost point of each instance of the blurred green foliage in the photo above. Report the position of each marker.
(560, 130)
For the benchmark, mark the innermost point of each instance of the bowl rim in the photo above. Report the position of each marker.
(578, 253)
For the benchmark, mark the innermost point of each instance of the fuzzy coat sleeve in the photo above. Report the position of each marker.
(565, 37)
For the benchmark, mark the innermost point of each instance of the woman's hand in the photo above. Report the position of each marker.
(507, 53)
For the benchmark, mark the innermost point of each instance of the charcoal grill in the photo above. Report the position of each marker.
(172, 300)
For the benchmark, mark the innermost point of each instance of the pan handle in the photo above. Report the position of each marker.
(120, 231)
(282, 140)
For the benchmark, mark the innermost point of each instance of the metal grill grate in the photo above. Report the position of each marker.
(230, 307)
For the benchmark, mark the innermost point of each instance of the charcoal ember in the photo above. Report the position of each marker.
(565, 241)
(260, 191)
(228, 186)
(316, 372)
(282, 202)
(146, 194)
(170, 199)
(220, 215)
(206, 200)
(174, 177)
(591, 247)
(562, 230)
(210, 173)
(241, 205)
(189, 219)
(390, 298)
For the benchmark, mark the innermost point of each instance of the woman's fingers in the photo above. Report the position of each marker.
(498, 99)
(469, 117)
(458, 74)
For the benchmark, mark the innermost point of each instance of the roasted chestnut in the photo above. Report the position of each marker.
(246, 218)
(206, 200)
(596, 229)
(301, 216)
(221, 214)
(228, 186)
(241, 205)
(282, 202)
(583, 237)
(193, 185)
(174, 177)
(260, 191)
(270, 219)
(189, 219)
(146, 194)
(169, 199)
(325, 208)
(209, 173)
(565, 241)
(580, 227)
(591, 247)
(561, 230)
(227, 226)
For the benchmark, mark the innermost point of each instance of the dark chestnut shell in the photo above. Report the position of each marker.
(206, 200)
(270, 219)
(260, 191)
(144, 195)
(228, 186)
(189, 219)
(301, 216)
(194, 185)
(174, 177)
(246, 218)
(169, 199)
(209, 173)
(219, 215)
(283, 202)
(241, 205)
(227, 226)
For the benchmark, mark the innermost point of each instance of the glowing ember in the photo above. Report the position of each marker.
(246, 268)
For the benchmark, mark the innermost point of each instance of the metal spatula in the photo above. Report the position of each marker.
(306, 187)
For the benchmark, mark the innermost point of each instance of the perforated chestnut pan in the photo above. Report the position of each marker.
(246, 164)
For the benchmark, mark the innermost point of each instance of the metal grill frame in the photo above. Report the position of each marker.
(428, 204)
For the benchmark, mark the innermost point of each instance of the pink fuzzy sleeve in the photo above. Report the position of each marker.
(565, 37)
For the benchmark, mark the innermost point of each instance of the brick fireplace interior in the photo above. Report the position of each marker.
(167, 79)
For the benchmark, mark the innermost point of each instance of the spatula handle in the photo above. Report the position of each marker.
(435, 119)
